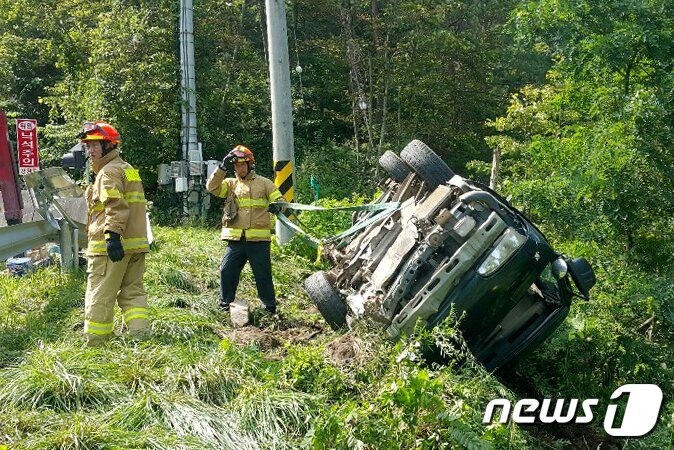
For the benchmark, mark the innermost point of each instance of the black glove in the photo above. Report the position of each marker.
(113, 244)
(275, 208)
(227, 161)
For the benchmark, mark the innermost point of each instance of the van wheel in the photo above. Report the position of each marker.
(426, 163)
(327, 299)
(394, 166)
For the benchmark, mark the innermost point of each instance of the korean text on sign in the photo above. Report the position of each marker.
(26, 142)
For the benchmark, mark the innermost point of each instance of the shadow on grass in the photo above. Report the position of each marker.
(48, 323)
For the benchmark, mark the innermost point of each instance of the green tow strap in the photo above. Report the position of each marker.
(386, 209)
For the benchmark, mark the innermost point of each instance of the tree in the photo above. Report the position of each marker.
(589, 151)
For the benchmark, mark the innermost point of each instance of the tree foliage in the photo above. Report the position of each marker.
(435, 70)
(588, 152)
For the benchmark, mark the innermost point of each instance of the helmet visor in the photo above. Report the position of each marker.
(90, 127)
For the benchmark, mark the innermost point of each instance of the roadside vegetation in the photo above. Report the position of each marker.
(294, 383)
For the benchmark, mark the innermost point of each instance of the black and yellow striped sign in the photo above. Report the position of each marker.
(283, 179)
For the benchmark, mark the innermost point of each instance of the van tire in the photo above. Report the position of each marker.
(394, 166)
(426, 163)
(327, 299)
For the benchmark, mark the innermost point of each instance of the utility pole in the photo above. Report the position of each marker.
(195, 202)
(493, 179)
(281, 107)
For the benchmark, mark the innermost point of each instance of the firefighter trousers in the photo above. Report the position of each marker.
(258, 253)
(115, 282)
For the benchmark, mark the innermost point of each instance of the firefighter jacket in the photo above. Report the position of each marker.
(116, 202)
(252, 195)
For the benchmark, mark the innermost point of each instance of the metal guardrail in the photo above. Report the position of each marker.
(45, 187)
(15, 239)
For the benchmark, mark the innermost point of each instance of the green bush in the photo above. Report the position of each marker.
(412, 404)
(307, 369)
(341, 171)
(621, 336)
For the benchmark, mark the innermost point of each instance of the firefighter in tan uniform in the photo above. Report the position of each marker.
(117, 235)
(246, 225)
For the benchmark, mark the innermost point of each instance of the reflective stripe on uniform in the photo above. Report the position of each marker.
(249, 233)
(275, 196)
(136, 313)
(132, 174)
(98, 206)
(231, 232)
(135, 197)
(96, 247)
(97, 328)
(252, 203)
(110, 193)
(255, 233)
(135, 243)
(127, 244)
(224, 188)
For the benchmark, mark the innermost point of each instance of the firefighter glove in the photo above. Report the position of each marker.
(275, 208)
(113, 244)
(227, 161)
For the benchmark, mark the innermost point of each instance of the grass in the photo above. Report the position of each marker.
(60, 377)
(185, 388)
(199, 384)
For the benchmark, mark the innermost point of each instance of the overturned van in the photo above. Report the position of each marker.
(452, 243)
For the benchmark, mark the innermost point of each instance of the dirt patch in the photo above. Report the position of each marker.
(264, 339)
(300, 335)
(271, 339)
(345, 350)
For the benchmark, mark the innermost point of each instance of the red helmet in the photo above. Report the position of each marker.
(99, 131)
(240, 154)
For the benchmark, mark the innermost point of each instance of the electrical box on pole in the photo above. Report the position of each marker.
(281, 107)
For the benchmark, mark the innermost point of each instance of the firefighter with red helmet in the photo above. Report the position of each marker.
(117, 234)
(246, 225)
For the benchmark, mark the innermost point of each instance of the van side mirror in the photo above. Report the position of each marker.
(582, 275)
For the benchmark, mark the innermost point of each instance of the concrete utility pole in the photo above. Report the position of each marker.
(281, 107)
(190, 145)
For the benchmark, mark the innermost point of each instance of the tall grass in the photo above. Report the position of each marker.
(40, 307)
(272, 416)
(184, 388)
(191, 386)
(60, 377)
(210, 379)
(185, 416)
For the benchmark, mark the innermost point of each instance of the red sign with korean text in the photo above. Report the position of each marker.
(26, 143)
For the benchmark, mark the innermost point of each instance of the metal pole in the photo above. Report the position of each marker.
(281, 107)
(65, 235)
(191, 148)
(76, 248)
(493, 179)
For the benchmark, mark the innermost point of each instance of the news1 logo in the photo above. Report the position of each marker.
(640, 416)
